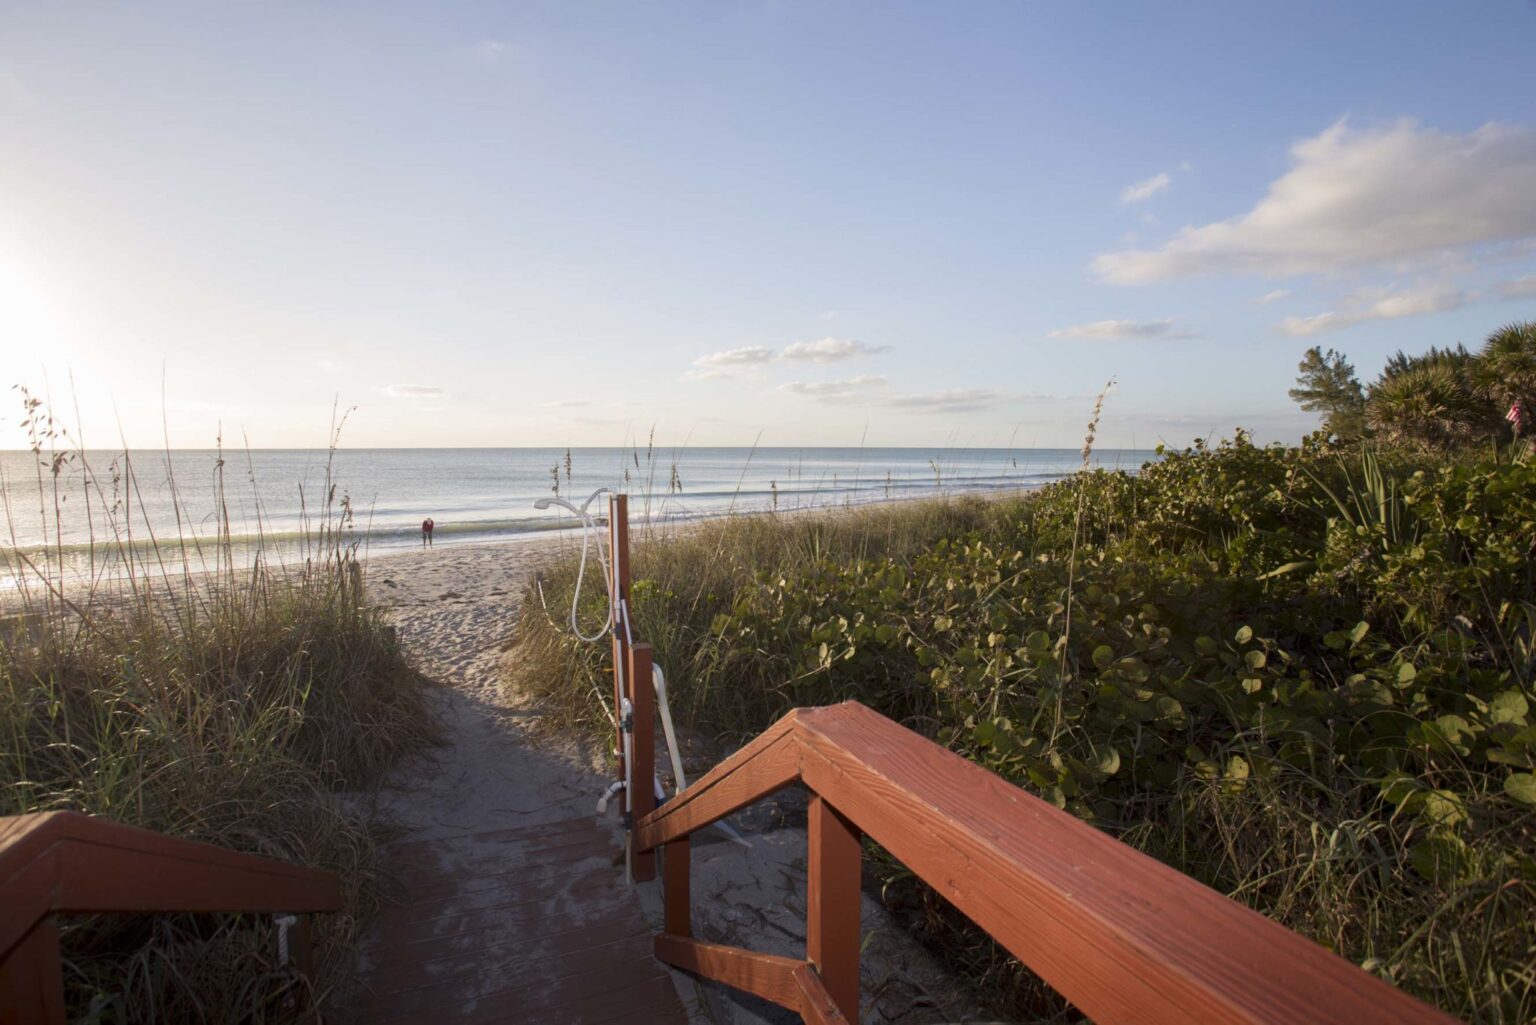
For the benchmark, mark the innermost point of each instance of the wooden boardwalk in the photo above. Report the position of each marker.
(532, 924)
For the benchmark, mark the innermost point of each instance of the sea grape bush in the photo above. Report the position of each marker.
(1302, 675)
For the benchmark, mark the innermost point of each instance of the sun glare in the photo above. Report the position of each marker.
(28, 319)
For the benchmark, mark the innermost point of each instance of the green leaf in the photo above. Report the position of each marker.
(1398, 787)
(1169, 708)
(1255, 659)
(1205, 646)
(1358, 633)
(1244, 634)
(1237, 767)
(1103, 655)
(1443, 808)
(1452, 727)
(1521, 786)
(1406, 673)
(1441, 859)
(1509, 706)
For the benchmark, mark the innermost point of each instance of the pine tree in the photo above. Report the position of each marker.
(1326, 383)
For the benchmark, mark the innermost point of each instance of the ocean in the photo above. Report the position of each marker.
(273, 500)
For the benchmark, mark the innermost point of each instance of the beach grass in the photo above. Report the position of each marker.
(249, 706)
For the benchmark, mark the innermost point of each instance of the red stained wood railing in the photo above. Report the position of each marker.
(65, 863)
(1125, 938)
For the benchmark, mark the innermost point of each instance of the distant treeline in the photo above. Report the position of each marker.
(1443, 399)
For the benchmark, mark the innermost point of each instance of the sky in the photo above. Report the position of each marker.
(819, 223)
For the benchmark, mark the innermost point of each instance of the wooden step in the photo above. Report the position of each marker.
(531, 924)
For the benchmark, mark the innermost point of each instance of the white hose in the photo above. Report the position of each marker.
(588, 529)
(679, 781)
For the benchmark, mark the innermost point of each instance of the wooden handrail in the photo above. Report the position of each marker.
(66, 863)
(1122, 936)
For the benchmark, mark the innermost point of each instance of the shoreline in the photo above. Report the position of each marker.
(522, 552)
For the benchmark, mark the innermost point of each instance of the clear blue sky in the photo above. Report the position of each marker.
(817, 223)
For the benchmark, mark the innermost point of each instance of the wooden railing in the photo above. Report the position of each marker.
(1120, 935)
(62, 863)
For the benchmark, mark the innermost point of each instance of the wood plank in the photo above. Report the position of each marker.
(832, 898)
(32, 978)
(816, 1005)
(676, 862)
(486, 928)
(589, 887)
(1122, 936)
(552, 937)
(106, 878)
(28, 892)
(763, 975)
(642, 741)
(65, 862)
(513, 995)
(553, 833)
(618, 555)
(768, 763)
(422, 881)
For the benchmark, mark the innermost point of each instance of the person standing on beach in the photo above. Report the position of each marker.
(426, 532)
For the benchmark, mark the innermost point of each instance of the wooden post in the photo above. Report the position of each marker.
(675, 859)
(32, 978)
(642, 801)
(618, 549)
(302, 944)
(832, 900)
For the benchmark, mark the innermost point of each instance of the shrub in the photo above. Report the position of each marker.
(1300, 675)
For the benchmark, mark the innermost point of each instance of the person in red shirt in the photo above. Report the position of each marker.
(426, 531)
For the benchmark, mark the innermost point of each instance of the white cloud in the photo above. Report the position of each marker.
(829, 350)
(566, 403)
(753, 357)
(1269, 297)
(1110, 330)
(1145, 190)
(490, 50)
(13, 91)
(1519, 288)
(413, 391)
(831, 390)
(736, 359)
(1378, 305)
(954, 400)
(1361, 197)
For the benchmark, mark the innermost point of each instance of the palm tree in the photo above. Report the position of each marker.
(1430, 404)
(1505, 372)
(1458, 359)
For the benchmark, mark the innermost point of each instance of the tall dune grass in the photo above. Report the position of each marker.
(211, 698)
(685, 576)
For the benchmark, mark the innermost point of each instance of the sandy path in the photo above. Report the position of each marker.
(455, 607)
